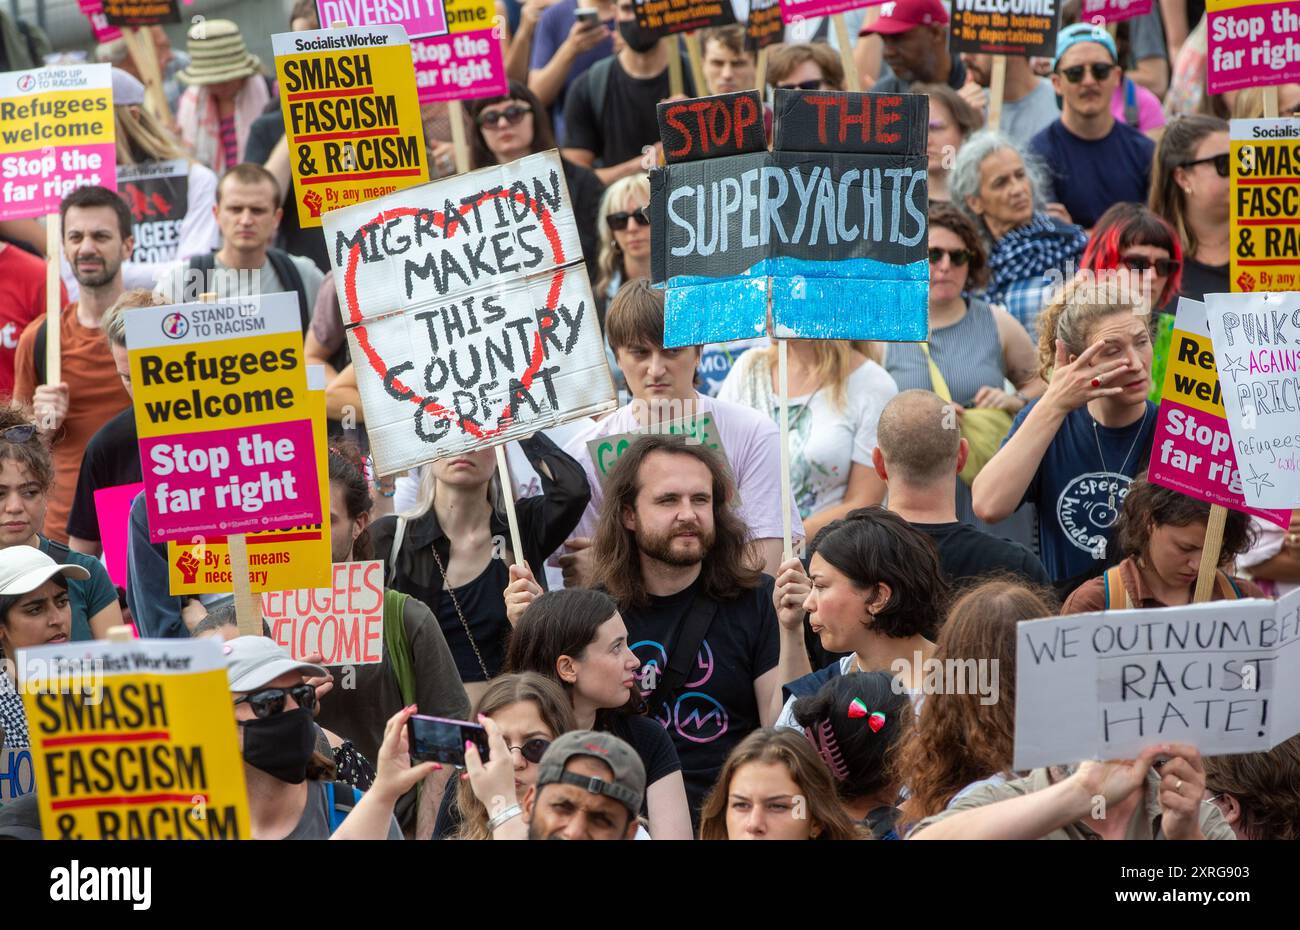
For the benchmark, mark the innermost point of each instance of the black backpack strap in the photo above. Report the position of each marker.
(694, 627)
(38, 349)
(287, 272)
(598, 84)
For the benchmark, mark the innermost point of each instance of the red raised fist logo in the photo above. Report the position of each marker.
(311, 200)
(189, 567)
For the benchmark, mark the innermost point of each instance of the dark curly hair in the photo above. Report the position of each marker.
(1149, 505)
(32, 453)
(346, 467)
(872, 546)
(961, 226)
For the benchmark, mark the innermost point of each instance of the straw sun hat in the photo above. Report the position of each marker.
(217, 54)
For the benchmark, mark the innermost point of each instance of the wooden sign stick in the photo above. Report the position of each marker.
(459, 140)
(508, 496)
(696, 57)
(852, 80)
(53, 312)
(997, 89)
(760, 73)
(783, 382)
(1210, 554)
(676, 85)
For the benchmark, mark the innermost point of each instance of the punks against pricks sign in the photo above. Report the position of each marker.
(468, 311)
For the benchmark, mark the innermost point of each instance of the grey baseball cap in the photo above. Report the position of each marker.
(628, 786)
(254, 661)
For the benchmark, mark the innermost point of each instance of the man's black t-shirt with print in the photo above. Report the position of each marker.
(626, 123)
(716, 707)
(966, 554)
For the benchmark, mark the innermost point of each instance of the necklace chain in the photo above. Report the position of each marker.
(1101, 455)
(446, 586)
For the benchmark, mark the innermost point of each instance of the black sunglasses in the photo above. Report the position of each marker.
(533, 749)
(18, 433)
(1222, 165)
(1100, 71)
(513, 114)
(270, 702)
(958, 257)
(814, 84)
(618, 221)
(1164, 266)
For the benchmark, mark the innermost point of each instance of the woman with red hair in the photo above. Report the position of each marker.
(1130, 237)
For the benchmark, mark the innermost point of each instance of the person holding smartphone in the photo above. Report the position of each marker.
(571, 36)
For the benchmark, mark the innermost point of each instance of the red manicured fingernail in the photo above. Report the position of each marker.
(437, 767)
(469, 744)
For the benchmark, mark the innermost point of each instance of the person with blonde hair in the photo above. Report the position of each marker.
(1075, 450)
(624, 226)
(142, 142)
(1189, 189)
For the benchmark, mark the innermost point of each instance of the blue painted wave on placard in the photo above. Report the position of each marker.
(850, 299)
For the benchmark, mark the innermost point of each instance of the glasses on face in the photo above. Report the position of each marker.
(814, 84)
(958, 257)
(1222, 165)
(514, 113)
(532, 750)
(269, 702)
(18, 433)
(1164, 266)
(1100, 71)
(618, 221)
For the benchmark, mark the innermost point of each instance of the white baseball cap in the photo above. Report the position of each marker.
(253, 662)
(24, 568)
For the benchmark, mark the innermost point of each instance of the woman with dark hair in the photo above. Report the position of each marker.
(774, 786)
(509, 127)
(576, 638)
(26, 476)
(853, 722)
(873, 594)
(34, 611)
(1161, 534)
(1258, 793)
(1189, 188)
(416, 665)
(974, 348)
(966, 738)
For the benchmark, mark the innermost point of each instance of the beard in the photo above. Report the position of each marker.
(97, 275)
(660, 546)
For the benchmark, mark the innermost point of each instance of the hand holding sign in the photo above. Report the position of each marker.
(522, 591)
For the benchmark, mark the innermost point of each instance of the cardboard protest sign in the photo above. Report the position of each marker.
(56, 134)
(134, 740)
(468, 311)
(669, 17)
(1265, 205)
(17, 774)
(99, 25)
(158, 194)
(113, 514)
(1221, 676)
(221, 409)
(1257, 350)
(832, 222)
(793, 11)
(1252, 44)
(1193, 451)
(1113, 11)
(141, 12)
(700, 430)
(344, 623)
(764, 26)
(1005, 27)
(350, 115)
(278, 560)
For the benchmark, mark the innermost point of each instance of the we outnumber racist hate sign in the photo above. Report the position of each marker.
(1251, 44)
(830, 225)
(1222, 676)
(56, 134)
(1265, 205)
(351, 116)
(221, 409)
(343, 623)
(1257, 350)
(158, 194)
(1193, 451)
(1005, 27)
(134, 741)
(468, 311)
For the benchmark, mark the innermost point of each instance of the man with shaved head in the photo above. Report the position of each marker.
(919, 453)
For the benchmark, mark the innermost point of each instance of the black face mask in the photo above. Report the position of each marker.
(636, 38)
(281, 745)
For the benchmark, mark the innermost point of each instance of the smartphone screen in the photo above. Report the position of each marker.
(588, 18)
(436, 739)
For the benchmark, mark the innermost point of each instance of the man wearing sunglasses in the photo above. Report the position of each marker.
(288, 796)
(1095, 160)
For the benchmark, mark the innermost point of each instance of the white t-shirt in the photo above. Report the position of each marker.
(824, 441)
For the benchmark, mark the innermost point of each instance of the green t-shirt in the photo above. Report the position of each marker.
(86, 598)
